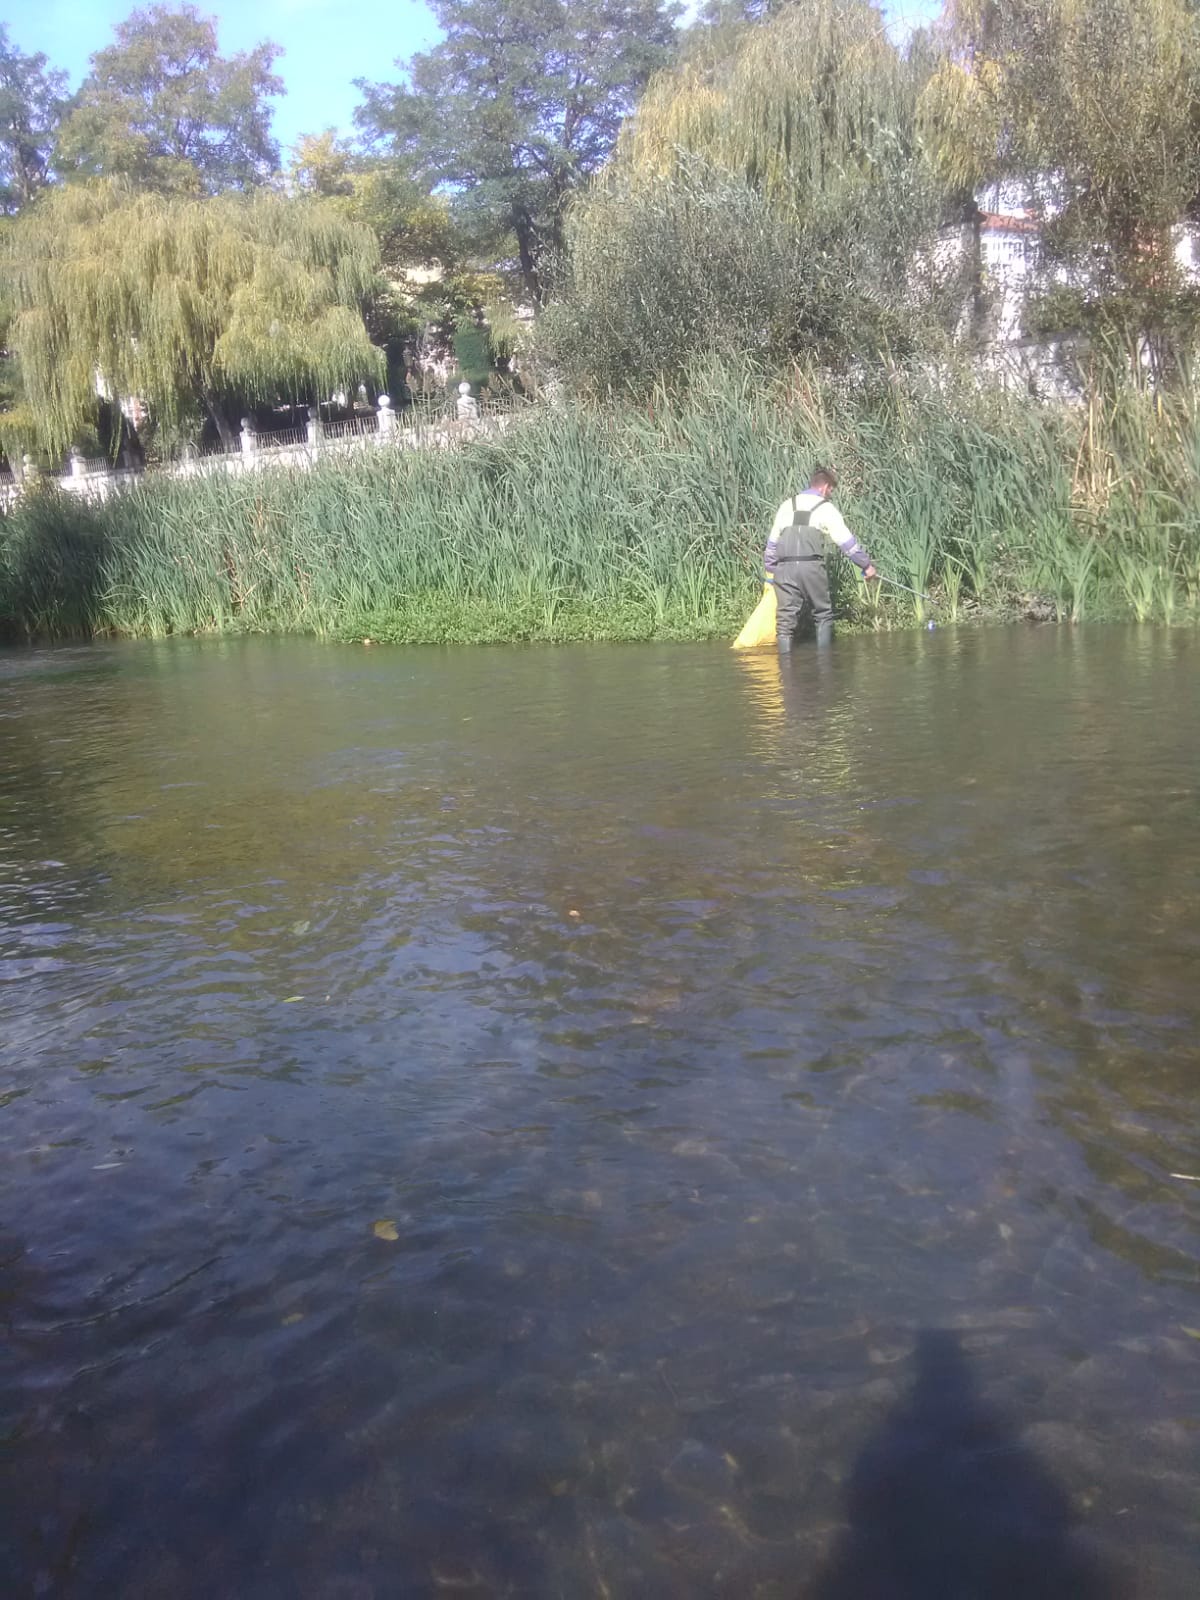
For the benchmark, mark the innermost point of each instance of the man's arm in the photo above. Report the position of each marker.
(783, 518)
(831, 520)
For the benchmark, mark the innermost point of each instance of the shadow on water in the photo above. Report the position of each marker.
(945, 1503)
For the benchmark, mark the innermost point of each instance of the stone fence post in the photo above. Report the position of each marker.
(313, 429)
(387, 417)
(249, 439)
(78, 466)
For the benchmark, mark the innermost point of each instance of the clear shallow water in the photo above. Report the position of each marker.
(773, 1081)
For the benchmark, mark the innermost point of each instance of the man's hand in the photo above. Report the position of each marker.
(869, 570)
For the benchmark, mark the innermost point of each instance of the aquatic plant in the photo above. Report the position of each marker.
(628, 522)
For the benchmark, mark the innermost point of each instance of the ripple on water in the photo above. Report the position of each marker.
(703, 1036)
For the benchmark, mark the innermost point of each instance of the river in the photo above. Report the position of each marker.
(621, 1121)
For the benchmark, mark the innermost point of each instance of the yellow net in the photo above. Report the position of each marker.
(760, 625)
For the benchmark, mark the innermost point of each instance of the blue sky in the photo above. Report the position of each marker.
(326, 43)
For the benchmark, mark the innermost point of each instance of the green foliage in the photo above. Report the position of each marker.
(163, 109)
(597, 521)
(770, 201)
(414, 228)
(31, 103)
(426, 279)
(17, 430)
(661, 270)
(520, 101)
(813, 108)
(1095, 105)
(181, 302)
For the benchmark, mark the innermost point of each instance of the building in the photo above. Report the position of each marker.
(1003, 235)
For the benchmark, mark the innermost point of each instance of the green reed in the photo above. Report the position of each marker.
(620, 522)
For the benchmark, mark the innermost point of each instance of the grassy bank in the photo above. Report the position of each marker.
(648, 523)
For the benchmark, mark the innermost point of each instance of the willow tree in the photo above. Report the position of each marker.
(1093, 106)
(813, 105)
(187, 305)
(792, 142)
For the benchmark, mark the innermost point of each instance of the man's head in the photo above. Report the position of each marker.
(823, 480)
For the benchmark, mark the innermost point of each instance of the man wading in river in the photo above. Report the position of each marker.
(794, 560)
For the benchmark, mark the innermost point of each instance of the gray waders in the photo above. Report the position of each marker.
(802, 586)
(801, 582)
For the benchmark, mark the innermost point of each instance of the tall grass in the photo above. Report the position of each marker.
(624, 522)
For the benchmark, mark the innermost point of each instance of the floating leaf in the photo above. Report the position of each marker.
(292, 1317)
(301, 927)
(292, 998)
(385, 1228)
(1192, 1333)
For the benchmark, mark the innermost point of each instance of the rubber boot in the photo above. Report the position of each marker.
(784, 641)
(824, 635)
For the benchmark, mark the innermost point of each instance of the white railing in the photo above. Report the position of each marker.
(280, 438)
(437, 424)
(352, 428)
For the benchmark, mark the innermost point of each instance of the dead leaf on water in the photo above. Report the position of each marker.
(385, 1228)
(1192, 1333)
(301, 927)
(292, 998)
(292, 1317)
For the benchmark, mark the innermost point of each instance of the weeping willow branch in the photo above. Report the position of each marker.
(768, 200)
(178, 301)
(816, 102)
(1095, 106)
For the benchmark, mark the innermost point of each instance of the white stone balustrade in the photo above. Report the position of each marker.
(293, 449)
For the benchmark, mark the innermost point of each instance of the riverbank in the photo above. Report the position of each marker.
(614, 523)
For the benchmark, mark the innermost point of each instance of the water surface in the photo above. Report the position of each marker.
(632, 1121)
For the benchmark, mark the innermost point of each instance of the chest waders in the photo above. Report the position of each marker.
(801, 582)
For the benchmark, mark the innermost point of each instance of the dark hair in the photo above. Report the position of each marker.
(825, 475)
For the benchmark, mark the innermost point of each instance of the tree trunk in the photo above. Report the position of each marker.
(216, 416)
(978, 299)
(527, 248)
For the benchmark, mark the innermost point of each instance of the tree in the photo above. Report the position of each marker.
(31, 104)
(427, 285)
(1095, 108)
(813, 108)
(521, 101)
(731, 13)
(414, 228)
(186, 304)
(162, 108)
(768, 197)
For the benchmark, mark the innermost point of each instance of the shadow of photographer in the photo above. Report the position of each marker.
(945, 1503)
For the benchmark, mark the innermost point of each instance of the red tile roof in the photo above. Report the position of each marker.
(992, 222)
